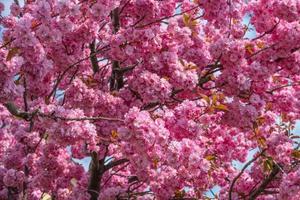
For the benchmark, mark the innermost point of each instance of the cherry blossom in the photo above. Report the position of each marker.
(161, 97)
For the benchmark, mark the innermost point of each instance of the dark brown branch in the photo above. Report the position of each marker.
(117, 74)
(270, 192)
(115, 173)
(59, 79)
(281, 87)
(261, 50)
(138, 21)
(261, 188)
(25, 96)
(127, 69)
(17, 2)
(282, 58)
(116, 79)
(206, 78)
(115, 163)
(241, 172)
(54, 117)
(267, 32)
(12, 108)
(93, 57)
(150, 105)
(115, 17)
(7, 43)
(123, 8)
(167, 17)
(96, 171)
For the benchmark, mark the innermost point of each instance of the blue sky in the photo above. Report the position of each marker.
(6, 11)
(7, 3)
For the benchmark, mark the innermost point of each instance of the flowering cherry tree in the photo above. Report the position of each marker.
(162, 95)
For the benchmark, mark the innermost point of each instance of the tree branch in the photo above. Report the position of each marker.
(265, 183)
(93, 57)
(96, 170)
(14, 110)
(54, 117)
(241, 172)
(25, 96)
(115, 163)
(60, 78)
(116, 79)
(17, 2)
(281, 87)
(167, 17)
(267, 32)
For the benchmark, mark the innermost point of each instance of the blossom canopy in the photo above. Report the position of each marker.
(162, 96)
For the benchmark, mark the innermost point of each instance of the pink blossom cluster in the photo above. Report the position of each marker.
(289, 187)
(150, 86)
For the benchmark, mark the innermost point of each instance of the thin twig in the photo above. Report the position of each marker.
(7, 43)
(59, 79)
(282, 86)
(54, 117)
(261, 50)
(167, 17)
(267, 32)
(25, 96)
(28, 116)
(111, 175)
(122, 9)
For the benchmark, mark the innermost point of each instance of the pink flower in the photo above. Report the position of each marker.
(257, 101)
(15, 9)
(1, 7)
(13, 178)
(193, 97)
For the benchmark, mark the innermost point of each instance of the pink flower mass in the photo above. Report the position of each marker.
(162, 97)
